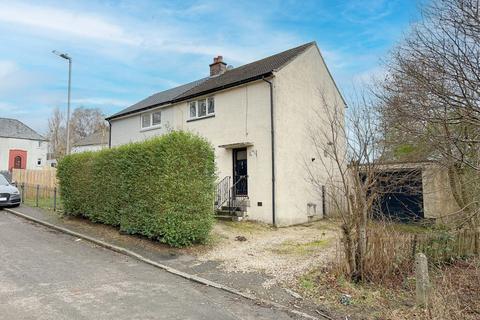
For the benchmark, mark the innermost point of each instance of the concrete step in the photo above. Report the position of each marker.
(233, 213)
(228, 217)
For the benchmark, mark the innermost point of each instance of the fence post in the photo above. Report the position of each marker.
(36, 196)
(55, 199)
(422, 281)
(23, 192)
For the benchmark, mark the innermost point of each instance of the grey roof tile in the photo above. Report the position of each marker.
(12, 128)
(158, 98)
(233, 77)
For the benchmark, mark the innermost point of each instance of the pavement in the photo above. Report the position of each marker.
(45, 274)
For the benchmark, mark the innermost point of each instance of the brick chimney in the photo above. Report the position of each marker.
(218, 66)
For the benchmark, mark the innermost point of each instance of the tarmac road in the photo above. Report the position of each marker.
(45, 274)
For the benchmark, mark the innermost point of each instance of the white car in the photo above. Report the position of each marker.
(9, 194)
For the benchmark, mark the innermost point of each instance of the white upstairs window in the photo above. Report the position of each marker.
(202, 108)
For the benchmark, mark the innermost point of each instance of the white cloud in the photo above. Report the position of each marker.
(65, 22)
(98, 101)
(6, 69)
(12, 77)
(124, 36)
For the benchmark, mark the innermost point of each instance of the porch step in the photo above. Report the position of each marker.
(228, 217)
(234, 213)
(226, 214)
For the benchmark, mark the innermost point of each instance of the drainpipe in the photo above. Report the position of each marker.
(272, 132)
(109, 134)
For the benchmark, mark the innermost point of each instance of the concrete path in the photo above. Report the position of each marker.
(49, 275)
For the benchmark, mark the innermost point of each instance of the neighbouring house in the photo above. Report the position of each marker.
(20, 146)
(257, 117)
(94, 142)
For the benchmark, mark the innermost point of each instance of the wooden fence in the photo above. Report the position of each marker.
(44, 178)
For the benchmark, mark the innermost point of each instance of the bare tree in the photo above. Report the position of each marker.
(346, 153)
(86, 121)
(56, 133)
(83, 122)
(431, 96)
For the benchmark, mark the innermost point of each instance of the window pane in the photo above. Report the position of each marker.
(211, 105)
(146, 120)
(193, 109)
(202, 108)
(156, 118)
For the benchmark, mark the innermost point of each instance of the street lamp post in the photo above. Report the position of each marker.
(67, 57)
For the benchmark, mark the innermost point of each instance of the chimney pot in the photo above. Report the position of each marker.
(218, 66)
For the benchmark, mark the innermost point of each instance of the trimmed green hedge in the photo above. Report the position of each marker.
(160, 188)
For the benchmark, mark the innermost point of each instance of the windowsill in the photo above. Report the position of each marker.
(151, 128)
(201, 118)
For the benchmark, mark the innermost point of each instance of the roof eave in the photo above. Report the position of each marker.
(227, 86)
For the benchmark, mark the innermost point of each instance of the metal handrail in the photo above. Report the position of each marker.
(226, 193)
(222, 192)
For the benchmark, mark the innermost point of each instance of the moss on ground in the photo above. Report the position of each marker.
(291, 247)
(247, 226)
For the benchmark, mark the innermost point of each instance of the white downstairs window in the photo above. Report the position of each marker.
(151, 119)
(146, 120)
(156, 118)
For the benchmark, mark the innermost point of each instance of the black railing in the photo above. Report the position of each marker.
(231, 196)
(222, 192)
(40, 196)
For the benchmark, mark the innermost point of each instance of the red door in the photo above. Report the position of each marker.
(17, 159)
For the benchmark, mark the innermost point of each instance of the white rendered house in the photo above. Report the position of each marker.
(20, 146)
(256, 116)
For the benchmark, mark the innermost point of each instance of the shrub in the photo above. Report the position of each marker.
(160, 188)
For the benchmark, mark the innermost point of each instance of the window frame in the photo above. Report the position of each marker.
(151, 124)
(196, 104)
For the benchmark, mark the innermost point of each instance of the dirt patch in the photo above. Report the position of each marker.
(281, 253)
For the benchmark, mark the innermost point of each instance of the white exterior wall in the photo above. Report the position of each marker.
(93, 147)
(242, 114)
(34, 151)
(301, 87)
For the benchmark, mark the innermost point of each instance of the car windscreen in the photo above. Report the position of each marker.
(3, 181)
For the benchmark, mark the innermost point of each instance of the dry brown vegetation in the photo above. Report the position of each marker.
(390, 294)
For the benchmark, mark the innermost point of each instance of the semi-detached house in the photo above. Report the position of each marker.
(257, 116)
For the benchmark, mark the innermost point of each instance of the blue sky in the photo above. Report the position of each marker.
(124, 51)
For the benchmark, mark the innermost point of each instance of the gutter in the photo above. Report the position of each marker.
(272, 133)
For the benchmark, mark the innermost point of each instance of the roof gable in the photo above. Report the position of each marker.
(12, 128)
(232, 77)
